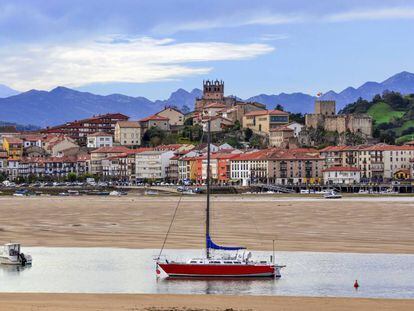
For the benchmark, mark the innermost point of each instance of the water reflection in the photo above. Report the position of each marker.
(110, 270)
(13, 270)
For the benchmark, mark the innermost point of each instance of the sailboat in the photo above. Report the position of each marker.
(239, 264)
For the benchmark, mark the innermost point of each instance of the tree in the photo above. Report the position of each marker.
(153, 137)
(248, 134)
(72, 177)
(236, 126)
(188, 122)
(279, 107)
(297, 117)
(255, 141)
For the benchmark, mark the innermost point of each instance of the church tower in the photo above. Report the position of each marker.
(213, 89)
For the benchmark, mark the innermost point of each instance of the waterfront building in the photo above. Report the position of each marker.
(341, 175)
(102, 153)
(152, 164)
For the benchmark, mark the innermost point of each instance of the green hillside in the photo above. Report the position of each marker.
(392, 113)
(383, 113)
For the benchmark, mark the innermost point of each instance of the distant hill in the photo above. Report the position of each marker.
(62, 104)
(5, 91)
(295, 102)
(20, 127)
(402, 82)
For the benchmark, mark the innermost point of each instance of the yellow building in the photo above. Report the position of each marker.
(262, 121)
(128, 133)
(175, 117)
(13, 147)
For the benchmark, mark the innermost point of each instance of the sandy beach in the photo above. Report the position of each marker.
(349, 225)
(382, 225)
(89, 302)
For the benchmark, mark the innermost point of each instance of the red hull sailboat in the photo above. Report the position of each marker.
(230, 265)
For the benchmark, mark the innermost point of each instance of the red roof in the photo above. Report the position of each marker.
(282, 128)
(215, 105)
(154, 117)
(266, 112)
(114, 149)
(342, 169)
(385, 147)
(96, 134)
(13, 140)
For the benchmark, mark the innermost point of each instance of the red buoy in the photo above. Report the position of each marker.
(356, 285)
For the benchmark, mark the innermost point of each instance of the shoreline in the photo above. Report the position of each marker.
(136, 302)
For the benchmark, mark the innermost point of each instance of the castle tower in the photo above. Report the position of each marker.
(213, 89)
(325, 107)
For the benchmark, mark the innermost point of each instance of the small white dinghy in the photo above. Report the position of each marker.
(11, 255)
(332, 195)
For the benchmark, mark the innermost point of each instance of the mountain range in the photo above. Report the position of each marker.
(46, 108)
(5, 91)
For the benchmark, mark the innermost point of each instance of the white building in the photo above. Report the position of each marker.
(296, 127)
(341, 175)
(249, 167)
(152, 164)
(99, 139)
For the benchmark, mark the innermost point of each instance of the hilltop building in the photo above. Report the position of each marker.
(214, 103)
(263, 121)
(325, 116)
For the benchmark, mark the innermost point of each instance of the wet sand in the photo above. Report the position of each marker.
(89, 302)
(383, 225)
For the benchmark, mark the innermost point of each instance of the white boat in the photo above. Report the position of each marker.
(115, 193)
(332, 195)
(11, 255)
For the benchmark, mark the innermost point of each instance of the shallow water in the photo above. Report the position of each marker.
(113, 270)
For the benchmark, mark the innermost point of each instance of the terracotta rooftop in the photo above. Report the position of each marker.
(130, 124)
(154, 117)
(282, 128)
(385, 147)
(114, 149)
(13, 140)
(215, 105)
(97, 134)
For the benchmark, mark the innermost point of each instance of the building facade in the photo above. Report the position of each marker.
(128, 133)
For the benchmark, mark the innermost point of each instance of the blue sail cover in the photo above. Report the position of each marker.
(212, 245)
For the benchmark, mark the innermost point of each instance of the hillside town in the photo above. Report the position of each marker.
(111, 147)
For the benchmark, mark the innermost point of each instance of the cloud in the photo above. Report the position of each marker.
(372, 14)
(273, 37)
(135, 60)
(238, 20)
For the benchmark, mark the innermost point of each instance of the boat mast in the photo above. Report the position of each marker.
(208, 191)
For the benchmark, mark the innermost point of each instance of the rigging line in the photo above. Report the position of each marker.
(169, 228)
(260, 235)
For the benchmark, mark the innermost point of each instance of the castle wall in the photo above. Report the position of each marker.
(336, 123)
(314, 120)
(360, 124)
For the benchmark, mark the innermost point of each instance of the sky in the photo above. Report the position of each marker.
(152, 48)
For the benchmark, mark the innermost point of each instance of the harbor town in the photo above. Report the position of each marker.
(222, 156)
